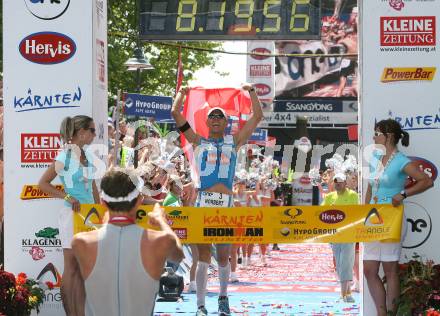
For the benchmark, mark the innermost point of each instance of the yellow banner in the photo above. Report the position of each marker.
(284, 224)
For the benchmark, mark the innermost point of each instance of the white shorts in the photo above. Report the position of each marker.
(65, 225)
(384, 251)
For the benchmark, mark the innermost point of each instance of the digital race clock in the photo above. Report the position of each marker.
(230, 19)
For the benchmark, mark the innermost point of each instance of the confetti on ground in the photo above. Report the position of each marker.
(298, 280)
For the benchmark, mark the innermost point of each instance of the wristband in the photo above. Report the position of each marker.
(184, 127)
(67, 197)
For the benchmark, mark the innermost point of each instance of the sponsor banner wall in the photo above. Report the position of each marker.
(53, 67)
(260, 71)
(400, 58)
(299, 224)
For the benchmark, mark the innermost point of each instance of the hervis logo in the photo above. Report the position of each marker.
(332, 216)
(260, 53)
(373, 218)
(47, 48)
(426, 167)
(262, 89)
(395, 74)
(33, 192)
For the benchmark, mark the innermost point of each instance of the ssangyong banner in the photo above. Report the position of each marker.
(49, 73)
(400, 58)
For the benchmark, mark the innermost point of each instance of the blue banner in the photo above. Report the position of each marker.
(148, 106)
(308, 105)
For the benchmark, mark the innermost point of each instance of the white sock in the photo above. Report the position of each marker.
(201, 282)
(223, 275)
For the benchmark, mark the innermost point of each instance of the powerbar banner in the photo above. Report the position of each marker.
(304, 224)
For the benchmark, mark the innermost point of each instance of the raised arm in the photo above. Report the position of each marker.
(257, 115)
(181, 122)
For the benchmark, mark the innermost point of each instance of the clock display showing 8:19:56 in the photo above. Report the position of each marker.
(230, 19)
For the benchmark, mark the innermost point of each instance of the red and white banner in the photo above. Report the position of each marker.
(260, 71)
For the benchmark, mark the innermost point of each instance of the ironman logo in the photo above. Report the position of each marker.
(47, 48)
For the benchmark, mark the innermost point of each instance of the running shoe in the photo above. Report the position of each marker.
(349, 299)
(223, 306)
(201, 311)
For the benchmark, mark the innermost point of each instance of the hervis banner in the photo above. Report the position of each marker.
(288, 224)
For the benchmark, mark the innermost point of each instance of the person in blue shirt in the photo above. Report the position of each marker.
(74, 168)
(389, 169)
(215, 159)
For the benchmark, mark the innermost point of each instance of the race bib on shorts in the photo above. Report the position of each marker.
(213, 199)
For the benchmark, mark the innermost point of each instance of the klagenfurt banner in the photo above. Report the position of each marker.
(399, 57)
(55, 65)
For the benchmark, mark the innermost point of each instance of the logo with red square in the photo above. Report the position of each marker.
(408, 31)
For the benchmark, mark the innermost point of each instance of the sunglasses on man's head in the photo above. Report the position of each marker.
(216, 116)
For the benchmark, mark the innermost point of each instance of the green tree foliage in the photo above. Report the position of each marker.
(122, 37)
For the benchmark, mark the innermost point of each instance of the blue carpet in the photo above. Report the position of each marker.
(299, 280)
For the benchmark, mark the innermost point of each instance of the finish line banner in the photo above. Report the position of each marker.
(302, 224)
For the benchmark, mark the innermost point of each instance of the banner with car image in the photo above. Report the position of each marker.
(287, 224)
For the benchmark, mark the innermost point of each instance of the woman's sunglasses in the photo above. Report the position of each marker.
(378, 133)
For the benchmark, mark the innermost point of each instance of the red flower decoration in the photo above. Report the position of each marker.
(21, 278)
(50, 285)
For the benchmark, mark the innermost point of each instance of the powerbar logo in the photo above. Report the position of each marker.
(407, 31)
(232, 232)
(408, 74)
(39, 148)
(33, 192)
